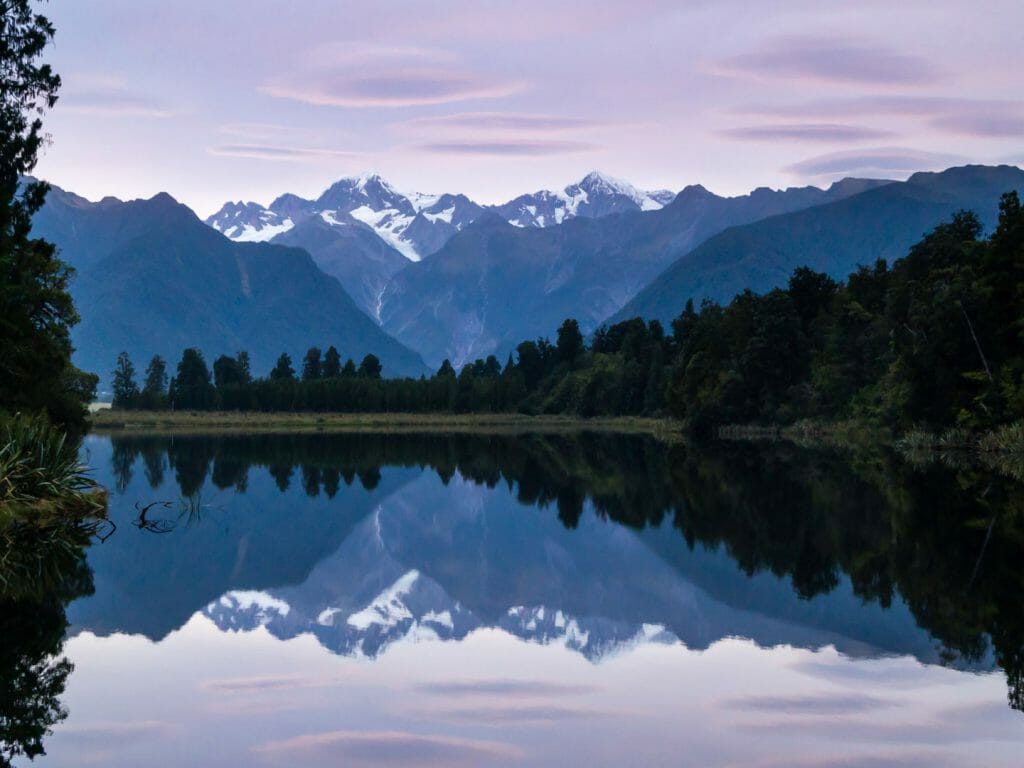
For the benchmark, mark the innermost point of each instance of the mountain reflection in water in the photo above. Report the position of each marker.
(364, 538)
(606, 547)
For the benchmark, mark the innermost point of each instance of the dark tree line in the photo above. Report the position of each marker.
(933, 339)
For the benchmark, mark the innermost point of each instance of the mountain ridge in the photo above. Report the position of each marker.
(458, 303)
(877, 223)
(152, 278)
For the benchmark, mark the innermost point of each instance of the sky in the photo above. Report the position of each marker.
(248, 99)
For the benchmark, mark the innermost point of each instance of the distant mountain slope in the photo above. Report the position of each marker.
(414, 225)
(877, 224)
(351, 252)
(594, 196)
(493, 284)
(418, 225)
(153, 279)
(408, 572)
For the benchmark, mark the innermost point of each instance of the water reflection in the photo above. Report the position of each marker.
(598, 542)
(42, 569)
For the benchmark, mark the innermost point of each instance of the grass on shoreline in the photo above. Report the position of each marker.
(41, 475)
(499, 423)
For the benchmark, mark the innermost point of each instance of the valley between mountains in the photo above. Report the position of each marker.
(417, 279)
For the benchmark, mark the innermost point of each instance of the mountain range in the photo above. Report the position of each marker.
(417, 279)
(835, 238)
(363, 231)
(416, 224)
(151, 278)
(493, 284)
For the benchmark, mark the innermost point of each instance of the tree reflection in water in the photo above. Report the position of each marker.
(949, 541)
(42, 569)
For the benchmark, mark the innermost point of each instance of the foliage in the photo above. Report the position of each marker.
(154, 390)
(126, 391)
(191, 387)
(283, 370)
(36, 311)
(40, 472)
(932, 341)
(312, 364)
(42, 568)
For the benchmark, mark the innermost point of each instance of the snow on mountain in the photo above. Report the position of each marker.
(414, 608)
(594, 196)
(249, 222)
(413, 224)
(387, 609)
(416, 225)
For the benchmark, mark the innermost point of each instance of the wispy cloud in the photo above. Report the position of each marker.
(499, 717)
(898, 758)
(279, 153)
(248, 685)
(395, 88)
(879, 674)
(829, 60)
(113, 102)
(121, 732)
(809, 705)
(261, 131)
(870, 162)
(505, 688)
(501, 121)
(515, 148)
(815, 132)
(372, 76)
(1005, 125)
(978, 117)
(391, 748)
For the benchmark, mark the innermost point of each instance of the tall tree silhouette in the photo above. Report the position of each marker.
(36, 311)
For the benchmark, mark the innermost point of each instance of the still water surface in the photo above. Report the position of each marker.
(365, 600)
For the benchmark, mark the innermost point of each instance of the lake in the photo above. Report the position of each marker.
(531, 600)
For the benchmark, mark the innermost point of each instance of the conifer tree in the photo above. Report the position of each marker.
(283, 370)
(193, 388)
(36, 311)
(370, 368)
(155, 386)
(244, 369)
(332, 363)
(126, 391)
(312, 366)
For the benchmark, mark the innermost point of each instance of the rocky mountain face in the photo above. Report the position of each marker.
(494, 284)
(595, 196)
(413, 225)
(398, 578)
(450, 279)
(153, 279)
(409, 550)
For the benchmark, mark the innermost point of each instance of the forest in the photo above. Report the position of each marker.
(933, 341)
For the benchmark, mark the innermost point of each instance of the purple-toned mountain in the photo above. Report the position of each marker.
(417, 225)
(414, 225)
(595, 196)
(151, 278)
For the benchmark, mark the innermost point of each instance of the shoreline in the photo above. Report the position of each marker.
(109, 421)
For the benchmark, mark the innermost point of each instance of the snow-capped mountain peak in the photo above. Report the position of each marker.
(249, 222)
(595, 195)
(417, 224)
